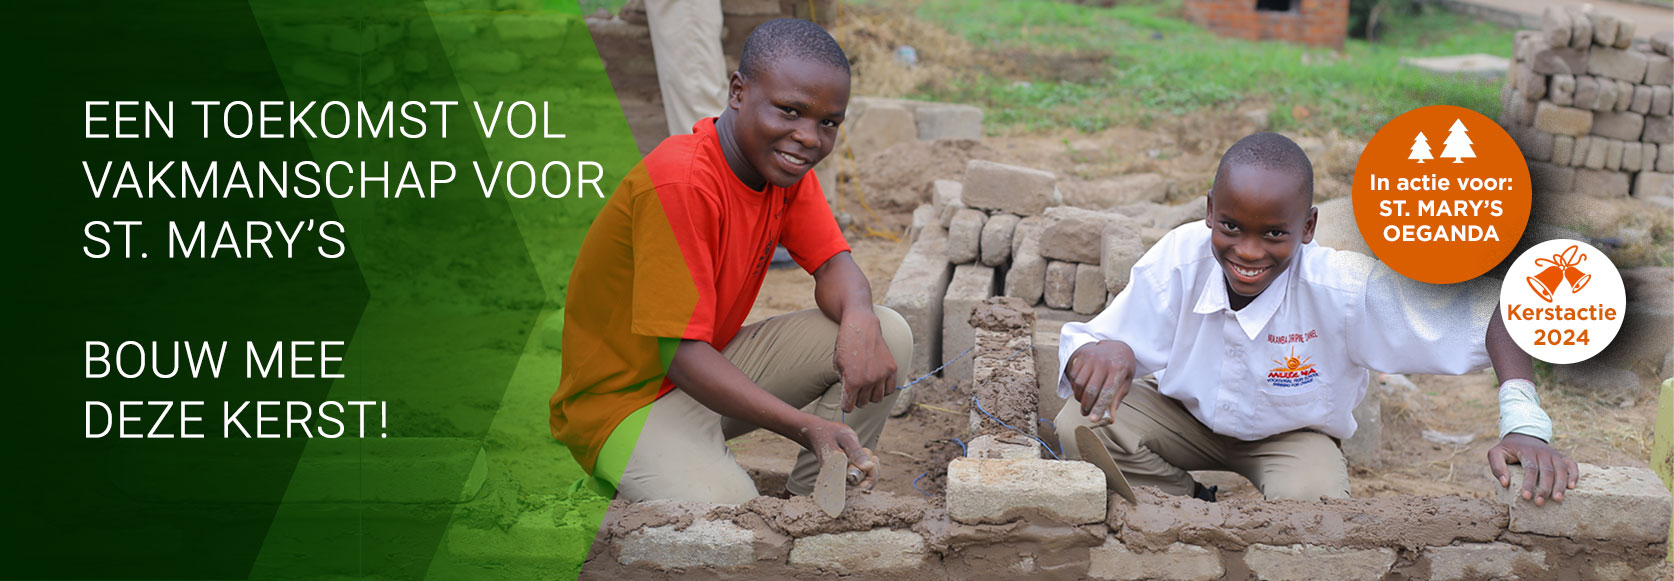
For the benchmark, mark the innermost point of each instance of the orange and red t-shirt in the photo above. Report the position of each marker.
(679, 251)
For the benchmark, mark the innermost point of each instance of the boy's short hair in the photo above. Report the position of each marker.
(1273, 152)
(779, 39)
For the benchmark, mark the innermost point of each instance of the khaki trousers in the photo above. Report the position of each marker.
(1155, 441)
(682, 453)
(691, 71)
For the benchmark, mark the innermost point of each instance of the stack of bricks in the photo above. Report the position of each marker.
(1590, 107)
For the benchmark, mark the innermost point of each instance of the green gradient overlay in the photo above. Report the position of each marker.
(451, 306)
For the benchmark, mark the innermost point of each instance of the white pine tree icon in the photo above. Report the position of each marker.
(1458, 145)
(1420, 148)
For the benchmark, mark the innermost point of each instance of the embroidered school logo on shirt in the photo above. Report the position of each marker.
(1292, 372)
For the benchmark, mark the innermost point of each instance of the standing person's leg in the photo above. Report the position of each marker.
(791, 356)
(691, 71)
(679, 454)
(1153, 439)
(1299, 465)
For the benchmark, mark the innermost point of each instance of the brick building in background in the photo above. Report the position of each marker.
(1312, 22)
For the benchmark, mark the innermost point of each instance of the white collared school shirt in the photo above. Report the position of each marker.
(1298, 355)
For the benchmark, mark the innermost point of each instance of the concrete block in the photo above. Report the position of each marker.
(917, 292)
(1089, 289)
(1613, 155)
(706, 543)
(1015, 447)
(1009, 188)
(1659, 70)
(1631, 159)
(1314, 562)
(1663, 42)
(1563, 120)
(1531, 84)
(1519, 110)
(1624, 504)
(1600, 183)
(950, 210)
(998, 491)
(1580, 27)
(1059, 290)
(972, 284)
(923, 216)
(1586, 92)
(996, 238)
(1604, 28)
(1641, 99)
(1074, 234)
(1563, 148)
(1583, 145)
(1624, 34)
(1028, 226)
(1179, 561)
(1046, 369)
(857, 551)
(1597, 148)
(1624, 95)
(1547, 178)
(1662, 99)
(1119, 248)
(947, 120)
(1536, 145)
(1664, 158)
(1561, 90)
(964, 236)
(1651, 185)
(1658, 129)
(1361, 448)
(1607, 93)
(1555, 26)
(1548, 60)
(880, 126)
(1484, 561)
(944, 193)
(1027, 277)
(1615, 63)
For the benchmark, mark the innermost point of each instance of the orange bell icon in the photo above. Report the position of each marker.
(1546, 283)
(1576, 279)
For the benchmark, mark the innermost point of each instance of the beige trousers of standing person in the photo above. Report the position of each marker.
(682, 453)
(691, 71)
(1155, 441)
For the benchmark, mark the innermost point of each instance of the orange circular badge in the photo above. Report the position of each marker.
(1441, 194)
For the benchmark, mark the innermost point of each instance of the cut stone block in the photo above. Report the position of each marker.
(1520, 111)
(1563, 148)
(1582, 146)
(1536, 145)
(1179, 561)
(1580, 28)
(1563, 120)
(1600, 183)
(1027, 277)
(706, 543)
(1060, 284)
(1650, 185)
(1624, 95)
(945, 192)
(924, 215)
(998, 491)
(972, 284)
(1586, 92)
(1659, 70)
(917, 292)
(873, 550)
(1631, 159)
(1641, 99)
(1627, 65)
(1485, 561)
(949, 210)
(1607, 93)
(947, 120)
(1662, 99)
(1531, 84)
(996, 238)
(1663, 42)
(1028, 226)
(1009, 188)
(880, 126)
(1547, 178)
(1621, 503)
(1597, 149)
(1658, 129)
(1613, 155)
(1548, 60)
(1664, 158)
(1361, 448)
(1015, 447)
(1119, 248)
(964, 236)
(1561, 90)
(1626, 126)
(1624, 34)
(1555, 26)
(1089, 289)
(1313, 562)
(1604, 28)
(1072, 234)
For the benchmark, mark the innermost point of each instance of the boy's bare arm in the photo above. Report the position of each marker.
(719, 385)
(1546, 472)
(862, 357)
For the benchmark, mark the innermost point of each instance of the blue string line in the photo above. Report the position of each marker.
(1049, 450)
(938, 369)
(921, 476)
(963, 451)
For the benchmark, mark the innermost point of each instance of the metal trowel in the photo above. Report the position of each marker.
(831, 486)
(1092, 450)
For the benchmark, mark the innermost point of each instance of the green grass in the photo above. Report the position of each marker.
(1131, 63)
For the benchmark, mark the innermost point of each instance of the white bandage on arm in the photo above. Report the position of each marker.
(1520, 411)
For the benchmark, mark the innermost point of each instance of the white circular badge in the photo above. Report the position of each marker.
(1562, 301)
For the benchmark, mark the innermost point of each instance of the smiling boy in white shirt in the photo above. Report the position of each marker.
(1260, 342)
